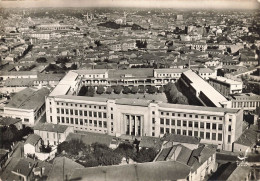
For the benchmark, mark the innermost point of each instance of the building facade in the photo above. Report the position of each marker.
(226, 86)
(247, 101)
(220, 126)
(137, 117)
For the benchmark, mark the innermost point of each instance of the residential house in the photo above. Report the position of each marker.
(24, 170)
(247, 141)
(32, 144)
(52, 134)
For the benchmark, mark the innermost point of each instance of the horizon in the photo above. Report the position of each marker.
(172, 4)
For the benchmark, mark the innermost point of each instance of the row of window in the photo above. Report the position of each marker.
(245, 104)
(188, 115)
(81, 105)
(191, 124)
(201, 134)
(82, 113)
(85, 122)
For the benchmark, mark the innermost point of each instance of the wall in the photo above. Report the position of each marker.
(20, 113)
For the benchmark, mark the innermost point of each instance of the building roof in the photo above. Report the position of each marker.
(135, 72)
(200, 155)
(245, 96)
(178, 153)
(91, 71)
(57, 128)
(197, 109)
(68, 81)
(226, 80)
(248, 137)
(50, 77)
(240, 173)
(82, 98)
(17, 73)
(33, 139)
(152, 171)
(89, 138)
(202, 86)
(204, 70)
(62, 169)
(158, 71)
(182, 139)
(60, 89)
(25, 166)
(29, 98)
(7, 121)
(22, 82)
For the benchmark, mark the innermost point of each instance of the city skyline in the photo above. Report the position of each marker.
(183, 4)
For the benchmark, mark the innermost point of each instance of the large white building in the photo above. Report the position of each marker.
(136, 117)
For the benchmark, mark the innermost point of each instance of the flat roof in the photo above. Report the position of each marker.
(246, 96)
(226, 80)
(174, 70)
(91, 71)
(135, 72)
(205, 88)
(83, 98)
(60, 89)
(70, 76)
(197, 108)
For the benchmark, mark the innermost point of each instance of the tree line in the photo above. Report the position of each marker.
(98, 154)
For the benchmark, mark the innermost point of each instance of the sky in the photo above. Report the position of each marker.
(208, 4)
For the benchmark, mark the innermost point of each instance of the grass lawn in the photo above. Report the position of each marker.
(156, 96)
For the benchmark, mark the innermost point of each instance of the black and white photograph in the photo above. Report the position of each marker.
(129, 90)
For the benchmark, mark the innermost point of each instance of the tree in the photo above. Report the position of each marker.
(91, 91)
(161, 89)
(146, 155)
(109, 90)
(168, 86)
(126, 150)
(100, 89)
(73, 67)
(134, 90)
(62, 60)
(41, 60)
(83, 91)
(141, 89)
(126, 90)
(181, 100)
(118, 89)
(9, 135)
(152, 90)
